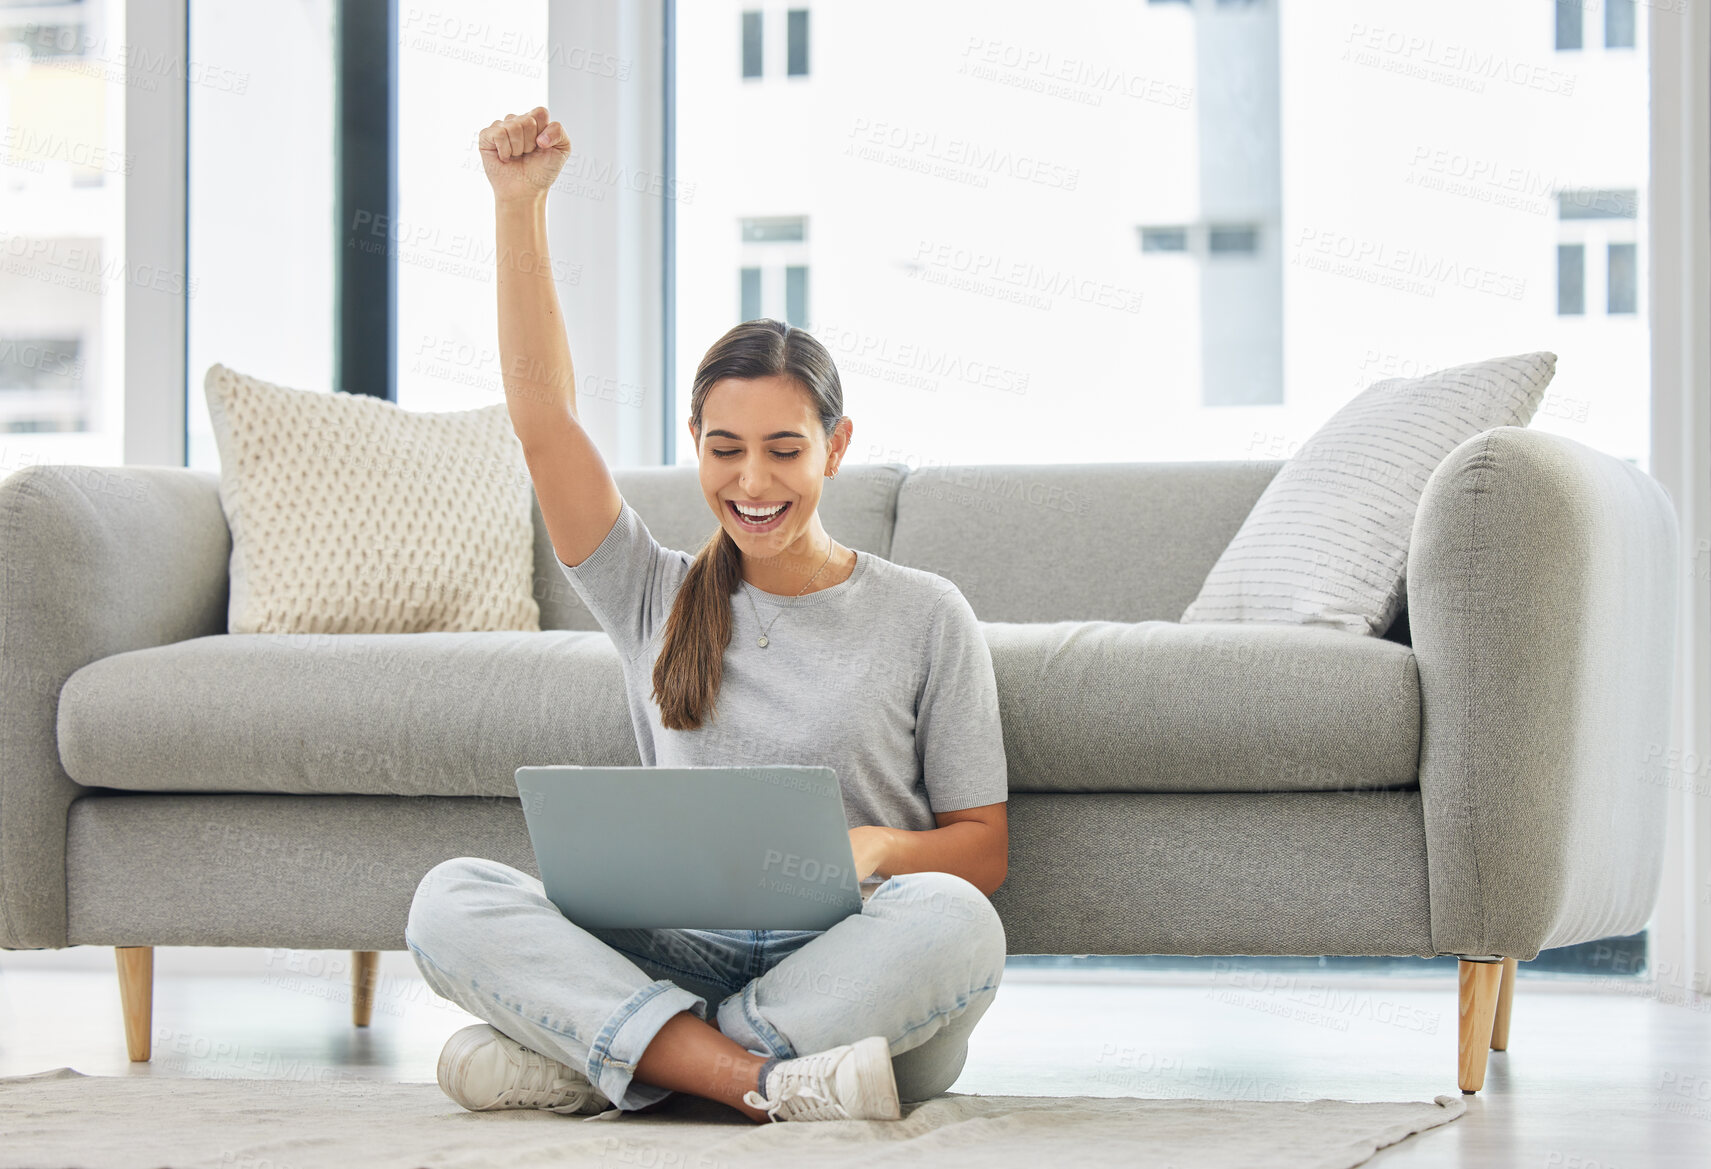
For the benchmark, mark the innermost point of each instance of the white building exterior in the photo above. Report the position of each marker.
(1362, 190)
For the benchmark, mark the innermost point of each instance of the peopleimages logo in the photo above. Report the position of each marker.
(476, 38)
(1073, 78)
(978, 160)
(1409, 269)
(792, 864)
(1464, 66)
(803, 877)
(1027, 279)
(857, 351)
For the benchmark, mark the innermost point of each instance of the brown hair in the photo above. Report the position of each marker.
(691, 660)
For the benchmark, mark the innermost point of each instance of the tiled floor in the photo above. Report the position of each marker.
(1600, 1079)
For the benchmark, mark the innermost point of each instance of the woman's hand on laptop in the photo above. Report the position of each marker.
(975, 854)
(868, 844)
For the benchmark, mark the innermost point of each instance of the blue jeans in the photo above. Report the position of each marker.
(919, 965)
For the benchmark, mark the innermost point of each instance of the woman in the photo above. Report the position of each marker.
(774, 643)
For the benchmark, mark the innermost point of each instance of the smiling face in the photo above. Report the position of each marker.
(762, 445)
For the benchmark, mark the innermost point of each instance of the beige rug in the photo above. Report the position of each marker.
(61, 1118)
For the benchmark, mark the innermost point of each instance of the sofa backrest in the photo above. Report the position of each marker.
(1024, 542)
(1060, 542)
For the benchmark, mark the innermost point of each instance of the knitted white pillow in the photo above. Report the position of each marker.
(1327, 541)
(350, 514)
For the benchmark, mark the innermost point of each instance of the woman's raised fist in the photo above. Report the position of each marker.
(523, 153)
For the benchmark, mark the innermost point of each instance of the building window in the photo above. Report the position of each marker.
(796, 295)
(1164, 239)
(1597, 244)
(773, 265)
(796, 38)
(777, 229)
(1223, 241)
(1618, 24)
(750, 293)
(1622, 285)
(751, 44)
(1598, 204)
(1571, 280)
(45, 41)
(41, 385)
(1568, 24)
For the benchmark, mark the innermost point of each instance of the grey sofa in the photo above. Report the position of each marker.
(1473, 783)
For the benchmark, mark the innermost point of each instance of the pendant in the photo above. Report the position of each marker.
(763, 641)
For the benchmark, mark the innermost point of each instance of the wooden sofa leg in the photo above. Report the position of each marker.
(1479, 983)
(365, 972)
(1500, 1021)
(136, 996)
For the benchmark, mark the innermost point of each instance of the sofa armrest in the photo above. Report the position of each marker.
(96, 561)
(1541, 594)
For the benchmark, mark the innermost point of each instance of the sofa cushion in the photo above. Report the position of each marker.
(1154, 706)
(453, 713)
(1087, 706)
(349, 514)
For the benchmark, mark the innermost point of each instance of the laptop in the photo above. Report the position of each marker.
(762, 847)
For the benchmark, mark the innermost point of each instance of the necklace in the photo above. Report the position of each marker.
(768, 627)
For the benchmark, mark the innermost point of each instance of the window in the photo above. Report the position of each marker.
(796, 295)
(795, 43)
(45, 41)
(1571, 279)
(1227, 240)
(1164, 239)
(41, 384)
(1622, 284)
(1568, 24)
(751, 44)
(1598, 204)
(1618, 24)
(750, 293)
(775, 230)
(974, 244)
(1597, 244)
(1221, 239)
(796, 35)
(447, 357)
(64, 287)
(773, 268)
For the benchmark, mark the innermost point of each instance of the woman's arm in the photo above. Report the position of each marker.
(973, 843)
(579, 499)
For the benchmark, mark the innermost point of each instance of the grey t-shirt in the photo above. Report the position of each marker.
(883, 677)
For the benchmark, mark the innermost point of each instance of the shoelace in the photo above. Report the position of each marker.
(539, 1084)
(798, 1097)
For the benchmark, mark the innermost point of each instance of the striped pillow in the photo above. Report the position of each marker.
(1327, 541)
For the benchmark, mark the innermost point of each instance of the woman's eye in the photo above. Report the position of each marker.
(780, 454)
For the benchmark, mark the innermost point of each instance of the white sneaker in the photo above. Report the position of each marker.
(850, 1082)
(484, 1069)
